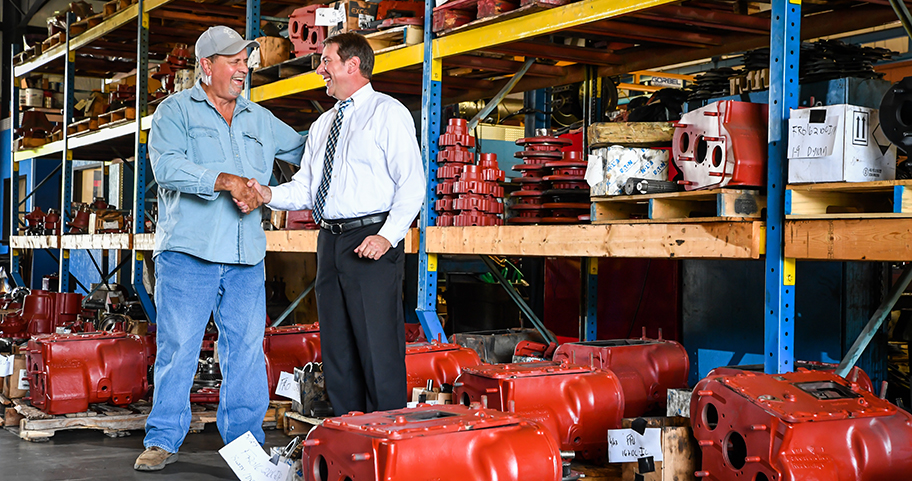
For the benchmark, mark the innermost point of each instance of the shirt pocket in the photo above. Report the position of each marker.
(255, 149)
(206, 146)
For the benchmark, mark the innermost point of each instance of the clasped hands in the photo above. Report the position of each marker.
(246, 193)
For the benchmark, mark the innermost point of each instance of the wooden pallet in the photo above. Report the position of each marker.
(28, 143)
(116, 117)
(82, 127)
(52, 41)
(27, 54)
(115, 6)
(753, 81)
(695, 206)
(81, 26)
(298, 424)
(286, 69)
(531, 6)
(849, 200)
(395, 38)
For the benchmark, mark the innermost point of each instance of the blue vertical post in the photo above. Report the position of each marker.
(14, 171)
(430, 131)
(589, 278)
(140, 157)
(538, 107)
(779, 305)
(66, 169)
(252, 32)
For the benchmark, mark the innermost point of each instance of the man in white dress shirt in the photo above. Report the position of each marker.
(363, 177)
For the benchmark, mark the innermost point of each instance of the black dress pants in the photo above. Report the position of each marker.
(362, 331)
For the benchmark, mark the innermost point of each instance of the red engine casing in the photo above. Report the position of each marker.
(436, 361)
(577, 404)
(305, 36)
(42, 313)
(67, 372)
(856, 374)
(799, 426)
(722, 144)
(647, 368)
(441, 443)
(289, 347)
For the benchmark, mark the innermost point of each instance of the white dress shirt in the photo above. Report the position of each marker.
(378, 166)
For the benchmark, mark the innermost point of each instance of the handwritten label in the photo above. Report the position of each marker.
(6, 366)
(812, 140)
(626, 445)
(288, 387)
(23, 379)
(327, 17)
(250, 463)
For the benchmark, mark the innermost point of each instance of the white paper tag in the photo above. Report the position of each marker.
(6, 366)
(626, 445)
(250, 463)
(288, 387)
(23, 380)
(327, 17)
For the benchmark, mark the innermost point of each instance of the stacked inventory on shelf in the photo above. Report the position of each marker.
(469, 193)
(554, 188)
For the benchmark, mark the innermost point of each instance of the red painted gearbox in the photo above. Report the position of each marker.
(441, 443)
(647, 368)
(799, 426)
(440, 362)
(577, 404)
(42, 313)
(67, 372)
(289, 347)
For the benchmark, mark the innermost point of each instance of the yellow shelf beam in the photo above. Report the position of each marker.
(404, 57)
(537, 24)
(110, 24)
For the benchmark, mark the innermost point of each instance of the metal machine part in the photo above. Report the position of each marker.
(855, 376)
(635, 186)
(42, 313)
(803, 425)
(464, 444)
(305, 35)
(289, 347)
(435, 361)
(722, 144)
(67, 372)
(496, 346)
(577, 404)
(647, 368)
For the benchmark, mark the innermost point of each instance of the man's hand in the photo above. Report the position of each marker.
(246, 198)
(264, 194)
(373, 247)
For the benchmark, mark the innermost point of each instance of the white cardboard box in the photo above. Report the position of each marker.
(610, 167)
(838, 143)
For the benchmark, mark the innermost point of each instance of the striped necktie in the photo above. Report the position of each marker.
(328, 162)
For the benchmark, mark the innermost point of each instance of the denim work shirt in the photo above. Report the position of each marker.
(189, 145)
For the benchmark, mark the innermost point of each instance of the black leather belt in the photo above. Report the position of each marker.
(340, 226)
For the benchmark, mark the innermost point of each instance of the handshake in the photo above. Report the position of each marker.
(247, 194)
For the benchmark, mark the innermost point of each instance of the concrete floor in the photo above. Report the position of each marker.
(90, 455)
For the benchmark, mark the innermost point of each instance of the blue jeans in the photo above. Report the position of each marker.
(187, 290)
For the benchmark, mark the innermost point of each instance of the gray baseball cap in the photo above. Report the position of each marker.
(221, 40)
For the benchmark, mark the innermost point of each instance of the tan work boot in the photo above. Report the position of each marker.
(153, 459)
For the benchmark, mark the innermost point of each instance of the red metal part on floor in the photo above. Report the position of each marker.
(647, 368)
(67, 372)
(42, 313)
(444, 443)
(798, 426)
(289, 347)
(440, 362)
(305, 35)
(856, 374)
(722, 144)
(577, 404)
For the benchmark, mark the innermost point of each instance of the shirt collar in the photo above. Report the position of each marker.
(359, 97)
(197, 93)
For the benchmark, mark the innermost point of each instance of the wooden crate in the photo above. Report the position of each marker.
(395, 38)
(694, 206)
(849, 200)
(631, 134)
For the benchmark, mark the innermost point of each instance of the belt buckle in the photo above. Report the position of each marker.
(335, 229)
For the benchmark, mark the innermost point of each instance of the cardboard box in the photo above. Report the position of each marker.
(610, 167)
(358, 14)
(11, 384)
(838, 143)
(680, 452)
(31, 98)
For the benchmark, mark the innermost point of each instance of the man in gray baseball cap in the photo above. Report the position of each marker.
(205, 144)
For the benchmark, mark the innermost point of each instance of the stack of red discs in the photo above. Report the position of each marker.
(528, 203)
(567, 201)
(454, 155)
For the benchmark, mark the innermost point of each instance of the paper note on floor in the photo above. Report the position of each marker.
(627, 445)
(6, 366)
(288, 387)
(250, 463)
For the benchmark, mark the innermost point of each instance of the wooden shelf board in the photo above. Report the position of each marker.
(849, 239)
(34, 242)
(95, 241)
(306, 241)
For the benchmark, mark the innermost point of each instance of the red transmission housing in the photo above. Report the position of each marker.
(856, 374)
(440, 362)
(647, 368)
(577, 404)
(799, 426)
(289, 347)
(722, 144)
(305, 35)
(443, 443)
(42, 313)
(67, 372)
